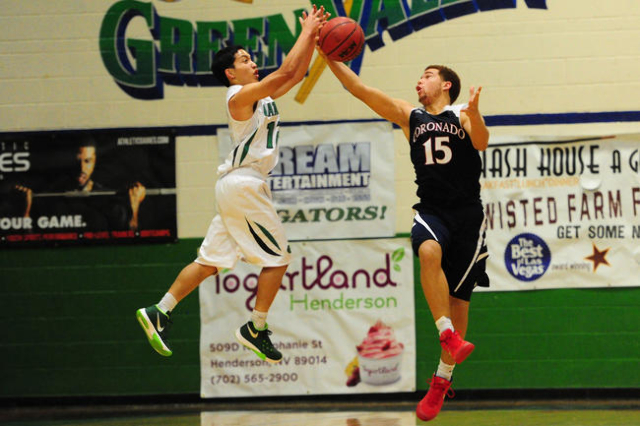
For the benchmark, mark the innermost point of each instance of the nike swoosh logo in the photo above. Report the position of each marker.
(158, 326)
(254, 335)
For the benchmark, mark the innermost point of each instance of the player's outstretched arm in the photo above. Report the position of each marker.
(282, 79)
(473, 122)
(301, 70)
(395, 110)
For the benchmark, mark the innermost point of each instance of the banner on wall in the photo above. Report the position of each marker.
(343, 326)
(333, 181)
(177, 40)
(562, 213)
(87, 188)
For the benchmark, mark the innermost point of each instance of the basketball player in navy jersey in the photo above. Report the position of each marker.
(247, 226)
(449, 226)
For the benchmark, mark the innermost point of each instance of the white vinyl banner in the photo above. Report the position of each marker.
(343, 319)
(333, 181)
(563, 213)
(389, 417)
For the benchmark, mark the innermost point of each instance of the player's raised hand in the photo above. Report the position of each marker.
(315, 20)
(474, 99)
(472, 121)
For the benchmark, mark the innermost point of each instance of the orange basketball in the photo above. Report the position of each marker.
(341, 39)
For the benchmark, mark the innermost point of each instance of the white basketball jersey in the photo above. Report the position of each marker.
(254, 141)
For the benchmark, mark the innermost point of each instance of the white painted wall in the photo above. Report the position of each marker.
(576, 56)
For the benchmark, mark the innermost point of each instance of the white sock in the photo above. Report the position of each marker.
(167, 303)
(259, 319)
(444, 323)
(445, 370)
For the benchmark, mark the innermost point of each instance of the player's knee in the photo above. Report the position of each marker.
(430, 253)
(206, 270)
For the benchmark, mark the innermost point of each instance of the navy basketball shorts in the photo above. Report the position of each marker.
(461, 235)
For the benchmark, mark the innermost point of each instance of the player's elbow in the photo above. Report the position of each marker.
(299, 76)
(286, 73)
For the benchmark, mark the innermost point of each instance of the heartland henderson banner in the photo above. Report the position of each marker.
(90, 187)
(343, 326)
(333, 181)
(562, 213)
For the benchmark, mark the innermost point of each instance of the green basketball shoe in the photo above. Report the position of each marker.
(258, 341)
(155, 324)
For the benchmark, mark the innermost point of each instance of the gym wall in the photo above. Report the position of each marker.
(557, 68)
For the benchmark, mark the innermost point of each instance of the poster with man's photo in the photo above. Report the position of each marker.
(87, 187)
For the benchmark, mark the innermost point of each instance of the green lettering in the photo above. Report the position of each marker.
(138, 79)
(279, 38)
(299, 216)
(349, 303)
(339, 302)
(354, 213)
(316, 214)
(391, 10)
(293, 301)
(420, 6)
(284, 215)
(333, 218)
(247, 33)
(370, 212)
(209, 40)
(176, 46)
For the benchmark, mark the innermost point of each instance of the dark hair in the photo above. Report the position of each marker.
(449, 75)
(222, 60)
(82, 140)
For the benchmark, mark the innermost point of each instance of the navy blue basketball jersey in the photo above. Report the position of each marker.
(446, 164)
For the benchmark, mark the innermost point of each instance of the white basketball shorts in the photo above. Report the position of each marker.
(247, 226)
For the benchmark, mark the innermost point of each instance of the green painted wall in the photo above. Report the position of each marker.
(68, 328)
(568, 338)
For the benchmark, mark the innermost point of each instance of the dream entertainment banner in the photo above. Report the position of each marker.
(562, 212)
(343, 319)
(87, 188)
(333, 181)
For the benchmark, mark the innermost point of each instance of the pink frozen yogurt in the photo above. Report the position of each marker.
(380, 343)
(380, 355)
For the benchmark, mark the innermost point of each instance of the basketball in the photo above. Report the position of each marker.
(341, 39)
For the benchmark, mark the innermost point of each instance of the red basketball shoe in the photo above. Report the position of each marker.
(452, 342)
(431, 404)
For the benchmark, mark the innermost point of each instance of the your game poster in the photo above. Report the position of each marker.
(332, 181)
(87, 188)
(562, 212)
(343, 319)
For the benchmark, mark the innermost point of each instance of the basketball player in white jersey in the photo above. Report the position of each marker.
(247, 226)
